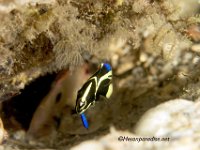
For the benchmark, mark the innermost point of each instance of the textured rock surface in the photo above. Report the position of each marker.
(54, 35)
(177, 120)
(153, 47)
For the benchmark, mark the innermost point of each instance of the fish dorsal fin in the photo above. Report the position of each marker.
(107, 66)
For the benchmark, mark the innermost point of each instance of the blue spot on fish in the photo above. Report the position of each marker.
(107, 66)
(84, 121)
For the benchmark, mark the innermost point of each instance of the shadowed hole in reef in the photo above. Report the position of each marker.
(23, 106)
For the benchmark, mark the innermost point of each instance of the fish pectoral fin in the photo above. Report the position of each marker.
(101, 98)
(93, 104)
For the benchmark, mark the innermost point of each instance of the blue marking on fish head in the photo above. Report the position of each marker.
(84, 121)
(107, 66)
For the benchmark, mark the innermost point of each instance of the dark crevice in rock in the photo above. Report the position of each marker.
(22, 106)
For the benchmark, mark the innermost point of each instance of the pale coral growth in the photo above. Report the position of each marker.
(34, 2)
(77, 38)
(7, 5)
(178, 9)
(22, 78)
(193, 20)
(140, 6)
(6, 61)
(69, 55)
(162, 37)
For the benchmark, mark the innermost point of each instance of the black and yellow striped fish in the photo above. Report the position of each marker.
(99, 84)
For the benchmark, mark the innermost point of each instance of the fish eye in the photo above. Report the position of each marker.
(82, 103)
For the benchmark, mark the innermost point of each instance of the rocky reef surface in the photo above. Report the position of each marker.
(48, 49)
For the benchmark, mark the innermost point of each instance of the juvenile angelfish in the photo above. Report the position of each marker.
(99, 84)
